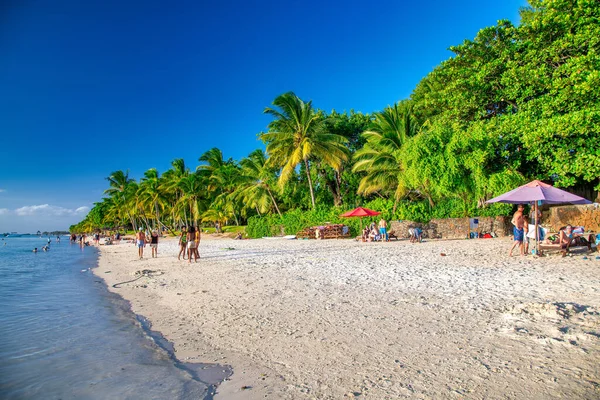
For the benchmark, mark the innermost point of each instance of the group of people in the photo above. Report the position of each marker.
(141, 239)
(566, 237)
(375, 233)
(188, 244)
(46, 247)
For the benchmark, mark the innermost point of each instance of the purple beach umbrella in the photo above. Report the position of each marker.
(538, 192)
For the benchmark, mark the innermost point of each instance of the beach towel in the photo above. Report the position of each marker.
(531, 232)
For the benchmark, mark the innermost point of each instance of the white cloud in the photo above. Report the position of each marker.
(2, 190)
(49, 210)
(4, 211)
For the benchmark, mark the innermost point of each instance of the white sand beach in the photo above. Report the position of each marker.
(299, 319)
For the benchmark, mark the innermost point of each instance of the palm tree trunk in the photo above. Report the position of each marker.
(273, 199)
(310, 186)
(338, 184)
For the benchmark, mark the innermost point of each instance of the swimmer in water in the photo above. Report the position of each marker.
(35, 250)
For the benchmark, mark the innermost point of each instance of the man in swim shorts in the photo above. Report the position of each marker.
(140, 241)
(518, 222)
(383, 230)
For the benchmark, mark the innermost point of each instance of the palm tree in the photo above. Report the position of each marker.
(121, 189)
(296, 135)
(170, 185)
(380, 157)
(191, 187)
(222, 178)
(257, 181)
(150, 194)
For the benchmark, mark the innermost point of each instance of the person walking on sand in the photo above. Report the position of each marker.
(140, 237)
(383, 230)
(191, 244)
(518, 222)
(154, 243)
(182, 243)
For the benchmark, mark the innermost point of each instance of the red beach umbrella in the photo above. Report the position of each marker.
(360, 212)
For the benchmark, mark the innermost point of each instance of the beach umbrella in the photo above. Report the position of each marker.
(539, 193)
(360, 212)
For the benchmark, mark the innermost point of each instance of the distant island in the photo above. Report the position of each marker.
(45, 233)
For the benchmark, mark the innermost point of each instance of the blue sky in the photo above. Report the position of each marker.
(90, 87)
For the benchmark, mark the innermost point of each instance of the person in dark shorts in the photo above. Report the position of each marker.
(154, 243)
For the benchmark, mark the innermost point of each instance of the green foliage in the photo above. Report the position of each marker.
(513, 104)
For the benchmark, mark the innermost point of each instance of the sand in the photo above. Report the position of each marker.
(329, 319)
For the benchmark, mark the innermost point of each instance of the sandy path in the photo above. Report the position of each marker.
(328, 319)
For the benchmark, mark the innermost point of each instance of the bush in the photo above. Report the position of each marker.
(295, 220)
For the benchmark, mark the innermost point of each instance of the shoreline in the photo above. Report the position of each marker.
(245, 381)
(328, 319)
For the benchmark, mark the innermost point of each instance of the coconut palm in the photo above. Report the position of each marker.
(189, 203)
(296, 135)
(380, 158)
(121, 188)
(257, 182)
(151, 195)
(170, 185)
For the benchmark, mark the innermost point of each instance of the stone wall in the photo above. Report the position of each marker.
(587, 216)
(453, 228)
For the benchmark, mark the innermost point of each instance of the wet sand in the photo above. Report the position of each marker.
(300, 319)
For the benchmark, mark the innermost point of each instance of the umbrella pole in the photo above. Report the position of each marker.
(537, 241)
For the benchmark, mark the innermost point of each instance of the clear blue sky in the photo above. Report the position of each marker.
(89, 87)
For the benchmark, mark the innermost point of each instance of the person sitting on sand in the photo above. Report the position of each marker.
(154, 243)
(374, 235)
(365, 234)
(140, 237)
(416, 234)
(517, 221)
(238, 236)
(182, 243)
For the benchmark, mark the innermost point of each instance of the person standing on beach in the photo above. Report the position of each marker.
(154, 243)
(182, 243)
(518, 222)
(191, 244)
(197, 240)
(383, 230)
(140, 237)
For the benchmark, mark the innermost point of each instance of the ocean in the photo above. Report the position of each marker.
(65, 336)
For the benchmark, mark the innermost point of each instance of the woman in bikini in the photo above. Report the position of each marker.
(182, 243)
(191, 244)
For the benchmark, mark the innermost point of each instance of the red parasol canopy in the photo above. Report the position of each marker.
(360, 212)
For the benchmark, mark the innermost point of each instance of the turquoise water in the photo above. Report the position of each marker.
(64, 336)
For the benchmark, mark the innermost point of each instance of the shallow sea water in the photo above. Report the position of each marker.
(65, 336)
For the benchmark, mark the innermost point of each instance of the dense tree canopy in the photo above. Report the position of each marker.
(515, 103)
